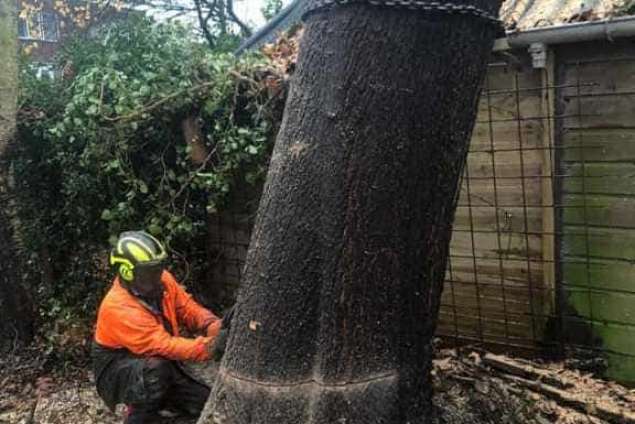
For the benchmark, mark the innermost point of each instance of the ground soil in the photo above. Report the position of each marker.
(466, 391)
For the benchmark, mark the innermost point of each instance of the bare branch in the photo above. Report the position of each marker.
(202, 23)
(243, 27)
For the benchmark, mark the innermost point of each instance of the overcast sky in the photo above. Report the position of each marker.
(249, 10)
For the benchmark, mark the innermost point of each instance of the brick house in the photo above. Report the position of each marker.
(41, 32)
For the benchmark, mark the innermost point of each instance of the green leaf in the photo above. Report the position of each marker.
(92, 110)
(154, 229)
(106, 215)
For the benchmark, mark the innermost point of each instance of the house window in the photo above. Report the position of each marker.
(49, 26)
(39, 26)
(23, 28)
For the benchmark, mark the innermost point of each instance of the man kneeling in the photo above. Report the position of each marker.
(137, 345)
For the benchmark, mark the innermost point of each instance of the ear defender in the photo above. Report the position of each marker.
(126, 268)
(126, 272)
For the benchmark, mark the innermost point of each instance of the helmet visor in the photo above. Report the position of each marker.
(151, 268)
(147, 279)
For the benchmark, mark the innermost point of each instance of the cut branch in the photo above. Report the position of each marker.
(158, 103)
(511, 366)
(609, 413)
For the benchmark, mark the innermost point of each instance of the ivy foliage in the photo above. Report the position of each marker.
(102, 150)
(271, 8)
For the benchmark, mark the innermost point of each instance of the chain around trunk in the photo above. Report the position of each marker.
(422, 5)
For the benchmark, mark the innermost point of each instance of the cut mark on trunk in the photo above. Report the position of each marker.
(389, 377)
(297, 149)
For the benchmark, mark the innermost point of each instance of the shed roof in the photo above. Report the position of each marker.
(289, 16)
(527, 14)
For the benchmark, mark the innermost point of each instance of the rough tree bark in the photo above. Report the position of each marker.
(344, 273)
(16, 322)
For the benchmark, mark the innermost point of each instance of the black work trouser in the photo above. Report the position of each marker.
(148, 385)
(168, 387)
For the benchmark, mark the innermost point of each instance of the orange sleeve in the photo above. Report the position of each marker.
(145, 335)
(194, 316)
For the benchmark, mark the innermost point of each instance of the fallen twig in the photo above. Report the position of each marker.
(514, 367)
(612, 414)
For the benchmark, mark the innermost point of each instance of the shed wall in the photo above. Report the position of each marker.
(597, 185)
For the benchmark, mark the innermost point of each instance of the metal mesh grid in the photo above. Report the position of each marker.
(497, 284)
(542, 253)
(527, 270)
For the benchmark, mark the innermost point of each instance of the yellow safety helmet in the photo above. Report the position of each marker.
(136, 248)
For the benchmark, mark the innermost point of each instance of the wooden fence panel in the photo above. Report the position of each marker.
(495, 285)
(597, 182)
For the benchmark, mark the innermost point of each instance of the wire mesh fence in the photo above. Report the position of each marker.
(543, 246)
(543, 249)
(498, 283)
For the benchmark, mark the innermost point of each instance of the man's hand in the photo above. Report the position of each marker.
(214, 328)
(217, 346)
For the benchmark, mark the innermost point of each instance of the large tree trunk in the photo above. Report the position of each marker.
(16, 322)
(345, 269)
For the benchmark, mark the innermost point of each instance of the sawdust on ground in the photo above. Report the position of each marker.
(466, 391)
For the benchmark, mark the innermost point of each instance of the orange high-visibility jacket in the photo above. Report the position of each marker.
(124, 322)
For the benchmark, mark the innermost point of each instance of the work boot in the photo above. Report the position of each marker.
(127, 413)
(138, 415)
